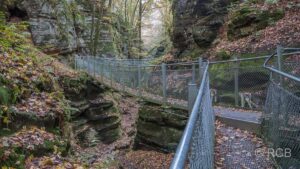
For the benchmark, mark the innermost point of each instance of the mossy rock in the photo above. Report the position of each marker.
(172, 117)
(82, 86)
(95, 114)
(101, 104)
(204, 35)
(107, 124)
(79, 107)
(161, 137)
(248, 20)
(20, 119)
(110, 135)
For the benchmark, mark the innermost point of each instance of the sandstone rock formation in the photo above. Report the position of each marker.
(59, 26)
(160, 127)
(95, 117)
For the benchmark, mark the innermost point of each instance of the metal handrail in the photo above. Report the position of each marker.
(297, 79)
(184, 145)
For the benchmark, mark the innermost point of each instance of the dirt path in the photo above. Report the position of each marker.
(239, 149)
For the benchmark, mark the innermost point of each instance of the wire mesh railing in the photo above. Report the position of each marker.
(165, 83)
(239, 83)
(196, 148)
(243, 83)
(281, 118)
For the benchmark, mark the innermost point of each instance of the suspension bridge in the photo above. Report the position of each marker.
(270, 84)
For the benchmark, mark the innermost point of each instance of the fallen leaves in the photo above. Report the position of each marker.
(236, 148)
(40, 104)
(27, 138)
(52, 162)
(146, 160)
(286, 32)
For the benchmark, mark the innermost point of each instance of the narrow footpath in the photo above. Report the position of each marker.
(239, 149)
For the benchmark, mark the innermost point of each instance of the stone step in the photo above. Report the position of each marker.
(242, 119)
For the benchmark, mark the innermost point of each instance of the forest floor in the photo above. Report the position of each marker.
(239, 149)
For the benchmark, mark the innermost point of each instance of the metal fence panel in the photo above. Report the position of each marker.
(281, 118)
(197, 142)
(240, 83)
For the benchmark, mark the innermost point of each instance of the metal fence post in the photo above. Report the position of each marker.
(193, 72)
(124, 74)
(200, 62)
(164, 82)
(89, 65)
(139, 80)
(102, 71)
(75, 62)
(110, 74)
(192, 95)
(279, 57)
(236, 82)
(94, 66)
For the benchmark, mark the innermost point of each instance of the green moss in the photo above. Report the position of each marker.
(5, 132)
(247, 20)
(75, 84)
(17, 155)
(223, 55)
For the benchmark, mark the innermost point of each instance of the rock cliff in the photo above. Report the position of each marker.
(60, 26)
(95, 117)
(196, 23)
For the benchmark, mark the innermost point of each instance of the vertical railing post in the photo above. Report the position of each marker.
(75, 62)
(192, 86)
(279, 59)
(164, 82)
(139, 81)
(236, 82)
(193, 73)
(192, 95)
(89, 65)
(110, 74)
(124, 70)
(94, 65)
(102, 70)
(200, 62)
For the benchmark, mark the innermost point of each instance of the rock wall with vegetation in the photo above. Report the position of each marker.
(95, 117)
(223, 28)
(46, 108)
(160, 127)
(196, 24)
(63, 27)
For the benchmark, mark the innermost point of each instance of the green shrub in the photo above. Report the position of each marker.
(222, 54)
